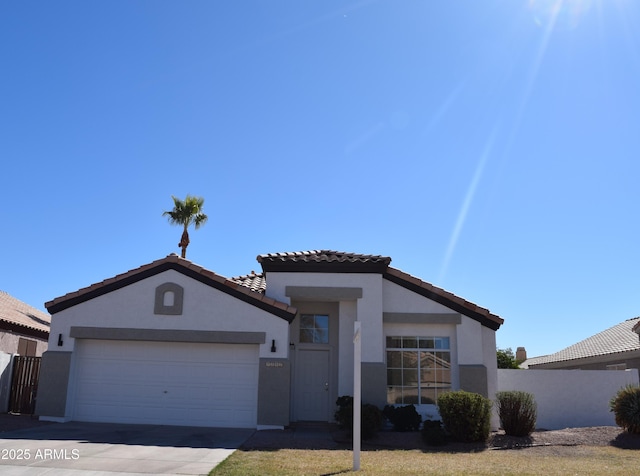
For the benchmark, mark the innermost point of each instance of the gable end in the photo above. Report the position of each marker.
(287, 314)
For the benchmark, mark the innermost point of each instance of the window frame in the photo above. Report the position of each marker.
(418, 368)
(314, 331)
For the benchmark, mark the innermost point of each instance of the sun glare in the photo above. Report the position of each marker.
(564, 14)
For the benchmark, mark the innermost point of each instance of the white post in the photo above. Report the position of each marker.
(357, 397)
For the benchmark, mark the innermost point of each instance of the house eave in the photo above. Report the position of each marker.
(26, 331)
(322, 267)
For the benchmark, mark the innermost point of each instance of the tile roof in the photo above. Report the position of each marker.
(183, 266)
(323, 255)
(253, 281)
(322, 260)
(340, 261)
(16, 312)
(616, 339)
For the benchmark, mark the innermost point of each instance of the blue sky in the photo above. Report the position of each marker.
(489, 147)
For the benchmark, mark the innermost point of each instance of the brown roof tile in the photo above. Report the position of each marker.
(322, 260)
(340, 261)
(16, 312)
(253, 281)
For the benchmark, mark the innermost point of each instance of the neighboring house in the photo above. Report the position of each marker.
(173, 343)
(617, 348)
(24, 329)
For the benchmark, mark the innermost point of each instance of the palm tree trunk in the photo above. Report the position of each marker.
(184, 242)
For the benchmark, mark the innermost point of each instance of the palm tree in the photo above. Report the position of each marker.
(185, 212)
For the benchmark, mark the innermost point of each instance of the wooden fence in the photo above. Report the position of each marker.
(24, 384)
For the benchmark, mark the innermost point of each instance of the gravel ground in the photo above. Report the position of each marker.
(549, 441)
(333, 438)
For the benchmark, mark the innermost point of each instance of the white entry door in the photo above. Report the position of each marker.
(167, 383)
(312, 385)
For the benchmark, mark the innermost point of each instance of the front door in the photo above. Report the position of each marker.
(312, 385)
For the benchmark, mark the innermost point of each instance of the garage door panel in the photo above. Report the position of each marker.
(166, 383)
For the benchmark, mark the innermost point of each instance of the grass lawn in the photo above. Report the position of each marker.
(534, 461)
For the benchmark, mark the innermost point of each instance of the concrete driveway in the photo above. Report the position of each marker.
(102, 449)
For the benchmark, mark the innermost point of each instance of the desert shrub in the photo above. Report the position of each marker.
(626, 407)
(370, 417)
(433, 434)
(466, 416)
(517, 411)
(405, 418)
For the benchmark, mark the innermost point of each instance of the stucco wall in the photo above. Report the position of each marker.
(348, 312)
(369, 306)
(399, 299)
(9, 343)
(204, 308)
(569, 398)
(5, 381)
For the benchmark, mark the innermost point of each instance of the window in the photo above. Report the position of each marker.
(314, 329)
(418, 369)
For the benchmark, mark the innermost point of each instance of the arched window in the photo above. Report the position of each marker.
(168, 299)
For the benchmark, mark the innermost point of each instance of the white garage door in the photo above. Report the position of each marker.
(166, 383)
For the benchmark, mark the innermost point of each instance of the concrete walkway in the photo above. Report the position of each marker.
(105, 449)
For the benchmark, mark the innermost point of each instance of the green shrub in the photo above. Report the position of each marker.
(404, 418)
(344, 413)
(517, 411)
(370, 417)
(466, 416)
(433, 434)
(626, 407)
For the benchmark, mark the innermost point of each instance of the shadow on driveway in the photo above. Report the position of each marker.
(76, 447)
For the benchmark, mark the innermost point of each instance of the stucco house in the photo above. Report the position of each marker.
(174, 343)
(24, 330)
(615, 348)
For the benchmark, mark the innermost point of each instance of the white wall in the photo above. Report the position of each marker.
(204, 308)
(369, 307)
(569, 398)
(399, 299)
(6, 362)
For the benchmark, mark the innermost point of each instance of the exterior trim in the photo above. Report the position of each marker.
(168, 335)
(322, 267)
(274, 381)
(374, 383)
(126, 280)
(53, 384)
(178, 296)
(421, 318)
(473, 378)
(317, 293)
